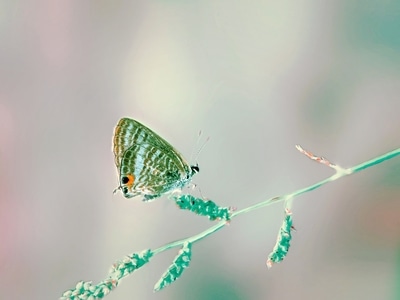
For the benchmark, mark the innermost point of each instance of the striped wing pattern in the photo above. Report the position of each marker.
(152, 165)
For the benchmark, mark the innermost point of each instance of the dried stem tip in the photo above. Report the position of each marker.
(319, 159)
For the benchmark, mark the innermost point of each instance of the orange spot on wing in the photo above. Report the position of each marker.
(131, 180)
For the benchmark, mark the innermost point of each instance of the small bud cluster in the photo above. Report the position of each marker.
(203, 207)
(129, 264)
(87, 291)
(283, 241)
(175, 270)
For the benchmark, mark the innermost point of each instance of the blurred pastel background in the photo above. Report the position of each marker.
(257, 77)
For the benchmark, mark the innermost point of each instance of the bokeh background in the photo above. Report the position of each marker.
(257, 77)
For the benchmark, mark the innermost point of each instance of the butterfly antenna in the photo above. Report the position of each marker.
(201, 148)
(197, 143)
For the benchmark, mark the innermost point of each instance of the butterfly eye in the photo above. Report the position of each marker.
(124, 180)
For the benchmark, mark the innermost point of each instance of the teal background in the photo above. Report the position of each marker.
(257, 77)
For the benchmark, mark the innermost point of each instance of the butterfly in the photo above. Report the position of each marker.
(148, 165)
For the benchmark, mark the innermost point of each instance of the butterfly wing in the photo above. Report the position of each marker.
(153, 172)
(148, 165)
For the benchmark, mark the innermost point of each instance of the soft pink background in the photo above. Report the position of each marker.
(257, 77)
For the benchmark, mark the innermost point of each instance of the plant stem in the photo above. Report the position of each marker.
(339, 174)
